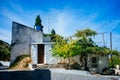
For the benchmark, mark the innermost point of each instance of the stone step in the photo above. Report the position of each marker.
(43, 66)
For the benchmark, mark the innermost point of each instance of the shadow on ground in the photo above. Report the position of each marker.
(26, 75)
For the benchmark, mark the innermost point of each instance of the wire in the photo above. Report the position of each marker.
(103, 25)
(116, 27)
(4, 34)
(101, 33)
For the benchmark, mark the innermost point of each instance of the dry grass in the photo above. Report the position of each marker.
(22, 63)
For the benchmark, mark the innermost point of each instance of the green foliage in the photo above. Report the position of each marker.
(58, 39)
(115, 52)
(53, 32)
(65, 49)
(84, 39)
(4, 51)
(115, 60)
(38, 21)
(97, 50)
(86, 42)
(47, 35)
(52, 35)
(81, 45)
(85, 33)
(88, 45)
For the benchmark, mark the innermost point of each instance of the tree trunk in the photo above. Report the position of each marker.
(69, 63)
(83, 60)
(86, 67)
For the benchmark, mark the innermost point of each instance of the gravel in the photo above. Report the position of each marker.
(62, 74)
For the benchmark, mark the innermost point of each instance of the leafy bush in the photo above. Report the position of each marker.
(114, 61)
(4, 51)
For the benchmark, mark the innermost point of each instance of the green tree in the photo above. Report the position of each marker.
(116, 60)
(4, 51)
(53, 33)
(65, 48)
(85, 33)
(86, 42)
(89, 46)
(38, 22)
(81, 45)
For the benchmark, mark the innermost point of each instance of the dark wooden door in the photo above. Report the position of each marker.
(40, 53)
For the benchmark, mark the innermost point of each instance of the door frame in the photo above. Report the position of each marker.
(41, 53)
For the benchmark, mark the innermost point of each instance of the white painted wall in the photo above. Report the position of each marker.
(22, 38)
(103, 62)
(34, 53)
(48, 58)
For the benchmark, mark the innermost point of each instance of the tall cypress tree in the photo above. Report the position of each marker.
(38, 23)
(53, 32)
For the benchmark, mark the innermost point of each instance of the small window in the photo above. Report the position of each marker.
(94, 62)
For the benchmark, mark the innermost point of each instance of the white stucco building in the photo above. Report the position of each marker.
(28, 41)
(97, 62)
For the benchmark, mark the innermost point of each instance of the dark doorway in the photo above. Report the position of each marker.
(40, 53)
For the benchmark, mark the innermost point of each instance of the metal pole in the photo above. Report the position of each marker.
(111, 47)
(103, 39)
(111, 41)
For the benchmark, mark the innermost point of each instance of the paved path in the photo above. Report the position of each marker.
(78, 75)
(52, 74)
(62, 76)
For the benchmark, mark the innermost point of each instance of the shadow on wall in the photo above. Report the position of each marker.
(38, 74)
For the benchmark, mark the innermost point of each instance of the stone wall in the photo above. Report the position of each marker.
(22, 38)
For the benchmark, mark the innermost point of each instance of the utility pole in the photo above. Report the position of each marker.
(111, 41)
(48, 24)
(111, 47)
(103, 39)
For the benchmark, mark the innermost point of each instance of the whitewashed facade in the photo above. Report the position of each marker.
(28, 41)
(97, 62)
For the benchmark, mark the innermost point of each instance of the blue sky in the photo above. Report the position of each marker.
(65, 16)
